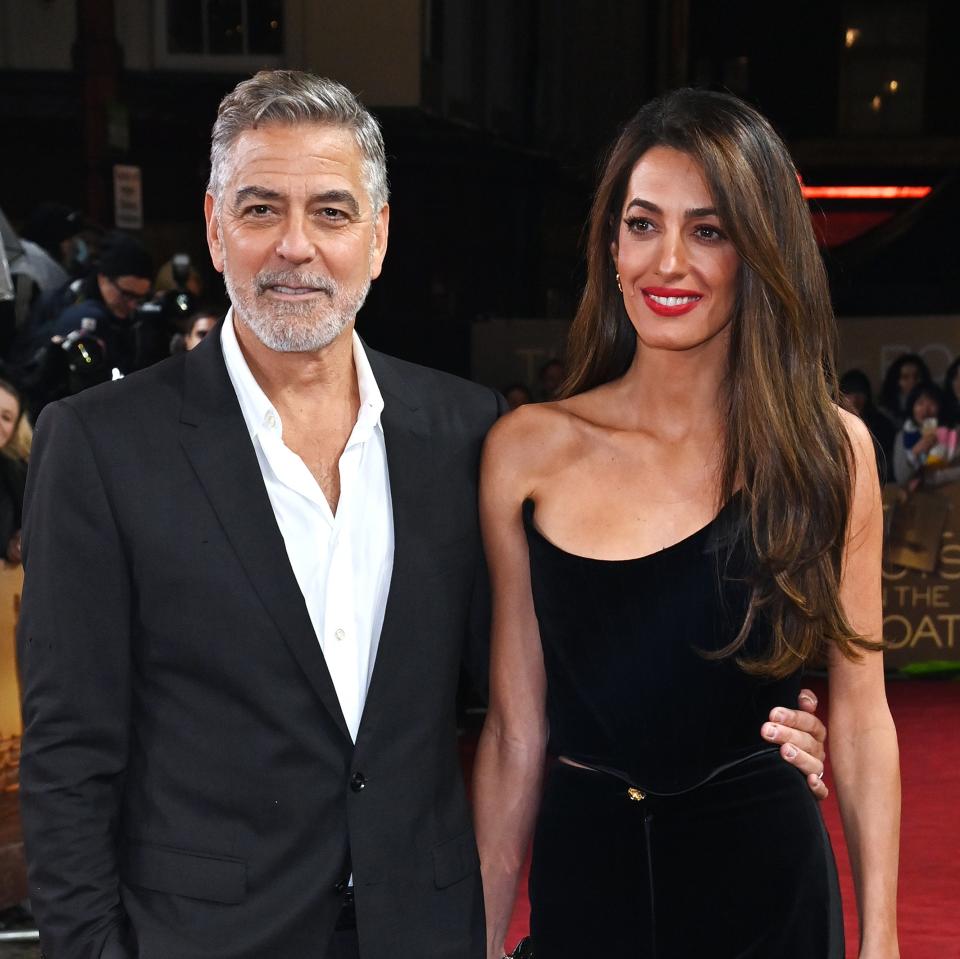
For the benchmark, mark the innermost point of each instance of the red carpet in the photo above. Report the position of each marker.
(927, 714)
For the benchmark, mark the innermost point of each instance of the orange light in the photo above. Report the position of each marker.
(865, 192)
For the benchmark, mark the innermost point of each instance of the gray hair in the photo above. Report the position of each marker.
(291, 96)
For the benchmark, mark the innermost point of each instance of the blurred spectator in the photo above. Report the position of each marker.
(120, 284)
(155, 327)
(109, 328)
(516, 394)
(905, 373)
(951, 394)
(15, 439)
(199, 325)
(550, 379)
(57, 229)
(31, 274)
(178, 273)
(925, 448)
(857, 396)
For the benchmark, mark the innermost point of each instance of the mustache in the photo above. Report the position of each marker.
(317, 281)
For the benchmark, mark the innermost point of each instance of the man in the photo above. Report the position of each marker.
(249, 574)
(109, 296)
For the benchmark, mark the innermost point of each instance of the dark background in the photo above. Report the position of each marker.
(491, 172)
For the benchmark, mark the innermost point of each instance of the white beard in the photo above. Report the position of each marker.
(290, 327)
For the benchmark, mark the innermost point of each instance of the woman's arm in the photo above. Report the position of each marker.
(510, 754)
(864, 742)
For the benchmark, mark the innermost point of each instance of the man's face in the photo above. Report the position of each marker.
(123, 294)
(295, 236)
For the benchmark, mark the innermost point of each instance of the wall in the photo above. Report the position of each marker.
(872, 343)
(505, 351)
(375, 55)
(11, 583)
(134, 27)
(37, 35)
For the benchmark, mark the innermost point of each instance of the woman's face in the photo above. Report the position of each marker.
(200, 327)
(909, 377)
(9, 414)
(925, 408)
(678, 270)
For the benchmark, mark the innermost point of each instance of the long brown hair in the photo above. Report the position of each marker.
(785, 444)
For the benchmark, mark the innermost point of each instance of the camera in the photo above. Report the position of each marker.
(152, 326)
(67, 365)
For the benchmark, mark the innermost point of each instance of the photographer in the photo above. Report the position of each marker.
(102, 333)
(109, 296)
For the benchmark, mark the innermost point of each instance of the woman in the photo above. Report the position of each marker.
(904, 374)
(15, 439)
(925, 448)
(669, 544)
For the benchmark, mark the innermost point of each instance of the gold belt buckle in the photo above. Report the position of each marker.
(635, 794)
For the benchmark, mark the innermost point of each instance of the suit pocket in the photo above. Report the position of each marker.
(214, 878)
(455, 859)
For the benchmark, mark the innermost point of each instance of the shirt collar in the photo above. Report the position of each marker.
(259, 413)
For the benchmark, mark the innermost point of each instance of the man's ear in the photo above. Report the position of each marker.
(213, 232)
(381, 230)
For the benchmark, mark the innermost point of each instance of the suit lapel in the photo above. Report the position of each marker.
(215, 438)
(412, 478)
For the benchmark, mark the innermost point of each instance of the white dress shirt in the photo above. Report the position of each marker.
(343, 562)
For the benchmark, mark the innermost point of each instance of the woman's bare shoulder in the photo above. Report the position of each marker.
(530, 440)
(858, 435)
(535, 425)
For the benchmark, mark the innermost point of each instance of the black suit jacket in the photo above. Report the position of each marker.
(189, 788)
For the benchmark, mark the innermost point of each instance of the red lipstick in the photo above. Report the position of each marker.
(669, 300)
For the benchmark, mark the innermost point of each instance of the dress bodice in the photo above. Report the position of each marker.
(628, 685)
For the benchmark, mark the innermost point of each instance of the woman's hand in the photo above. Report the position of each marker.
(924, 444)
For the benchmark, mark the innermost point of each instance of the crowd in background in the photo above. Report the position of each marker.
(914, 422)
(80, 306)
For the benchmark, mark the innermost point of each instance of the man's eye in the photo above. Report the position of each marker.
(332, 213)
(257, 209)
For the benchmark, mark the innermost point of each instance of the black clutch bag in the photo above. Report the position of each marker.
(524, 950)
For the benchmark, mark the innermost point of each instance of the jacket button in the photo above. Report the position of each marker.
(340, 886)
(357, 782)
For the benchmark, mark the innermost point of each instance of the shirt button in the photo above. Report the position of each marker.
(270, 419)
(358, 782)
(340, 634)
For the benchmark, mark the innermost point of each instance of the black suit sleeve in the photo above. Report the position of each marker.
(73, 645)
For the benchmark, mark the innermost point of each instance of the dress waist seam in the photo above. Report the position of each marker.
(576, 763)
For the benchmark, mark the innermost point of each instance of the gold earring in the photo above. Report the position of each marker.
(619, 287)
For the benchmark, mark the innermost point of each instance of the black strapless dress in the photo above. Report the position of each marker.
(689, 837)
